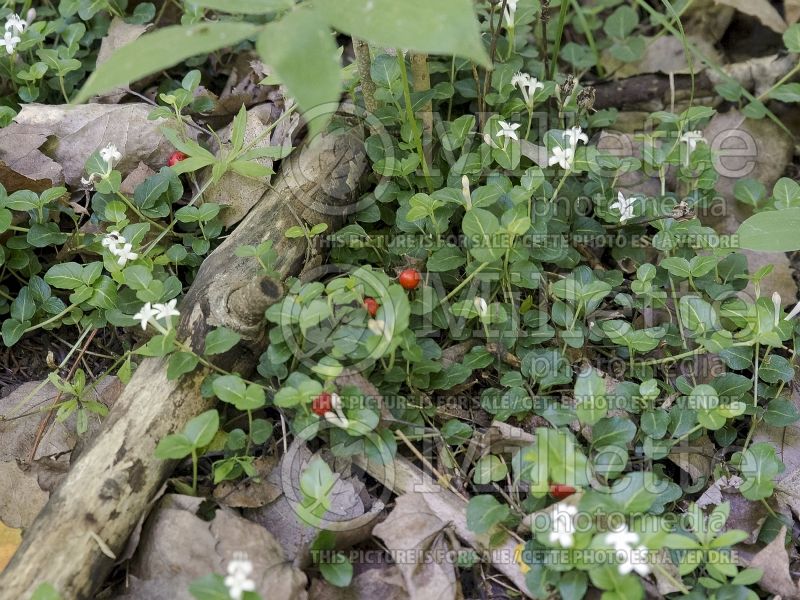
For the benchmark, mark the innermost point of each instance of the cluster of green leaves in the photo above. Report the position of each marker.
(58, 49)
(489, 221)
(296, 42)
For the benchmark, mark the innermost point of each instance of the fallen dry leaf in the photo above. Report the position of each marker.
(18, 432)
(382, 582)
(415, 528)
(10, 539)
(351, 516)
(792, 10)
(665, 54)
(119, 34)
(774, 561)
(707, 20)
(52, 143)
(757, 149)
(744, 514)
(178, 547)
(760, 9)
(694, 457)
(248, 493)
(21, 498)
(134, 178)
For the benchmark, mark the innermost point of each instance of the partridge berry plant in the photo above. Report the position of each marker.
(505, 276)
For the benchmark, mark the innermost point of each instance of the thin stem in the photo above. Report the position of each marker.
(52, 319)
(687, 434)
(562, 20)
(412, 120)
(132, 206)
(560, 185)
(194, 471)
(677, 313)
(780, 82)
(467, 279)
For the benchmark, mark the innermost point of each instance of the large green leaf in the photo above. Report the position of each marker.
(245, 7)
(441, 27)
(160, 50)
(773, 231)
(301, 50)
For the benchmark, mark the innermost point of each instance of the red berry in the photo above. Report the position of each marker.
(559, 491)
(409, 278)
(175, 158)
(371, 306)
(322, 404)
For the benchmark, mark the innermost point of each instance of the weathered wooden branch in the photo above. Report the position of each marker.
(90, 516)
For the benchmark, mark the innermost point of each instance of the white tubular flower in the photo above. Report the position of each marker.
(110, 155)
(624, 206)
(691, 139)
(481, 306)
(165, 311)
(563, 528)
(124, 254)
(238, 580)
(465, 191)
(337, 418)
(527, 85)
(508, 130)
(793, 313)
(621, 538)
(145, 314)
(633, 560)
(511, 11)
(30, 16)
(378, 327)
(15, 24)
(10, 41)
(575, 135)
(562, 157)
(776, 303)
(112, 240)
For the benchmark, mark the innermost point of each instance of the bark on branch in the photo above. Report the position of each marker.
(91, 515)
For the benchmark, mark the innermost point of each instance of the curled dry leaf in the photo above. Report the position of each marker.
(760, 9)
(414, 527)
(351, 515)
(707, 20)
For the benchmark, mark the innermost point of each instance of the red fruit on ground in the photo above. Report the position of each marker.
(371, 305)
(559, 491)
(322, 404)
(175, 158)
(409, 278)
